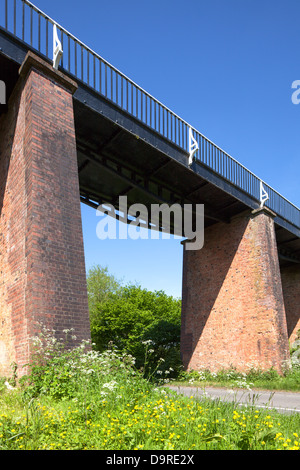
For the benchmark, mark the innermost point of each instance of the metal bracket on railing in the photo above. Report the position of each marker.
(264, 196)
(57, 49)
(193, 146)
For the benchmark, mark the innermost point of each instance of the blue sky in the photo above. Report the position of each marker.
(226, 67)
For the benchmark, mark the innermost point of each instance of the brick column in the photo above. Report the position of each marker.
(233, 313)
(42, 267)
(290, 277)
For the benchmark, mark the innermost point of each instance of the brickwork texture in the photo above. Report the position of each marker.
(42, 267)
(233, 312)
(238, 309)
(290, 277)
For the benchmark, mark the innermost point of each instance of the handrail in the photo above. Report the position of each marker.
(30, 24)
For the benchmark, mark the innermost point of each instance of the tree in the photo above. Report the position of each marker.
(100, 284)
(130, 317)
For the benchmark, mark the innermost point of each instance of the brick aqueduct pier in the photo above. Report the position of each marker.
(75, 129)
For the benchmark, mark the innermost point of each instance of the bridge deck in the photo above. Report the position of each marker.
(130, 144)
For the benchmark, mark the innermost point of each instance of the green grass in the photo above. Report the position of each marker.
(80, 400)
(269, 380)
(155, 420)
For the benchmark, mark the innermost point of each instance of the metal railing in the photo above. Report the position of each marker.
(28, 23)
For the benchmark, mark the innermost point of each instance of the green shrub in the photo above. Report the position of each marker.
(130, 317)
(160, 345)
(62, 373)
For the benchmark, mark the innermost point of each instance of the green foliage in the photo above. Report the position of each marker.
(100, 284)
(129, 317)
(161, 346)
(295, 351)
(62, 373)
(104, 399)
(100, 401)
(269, 379)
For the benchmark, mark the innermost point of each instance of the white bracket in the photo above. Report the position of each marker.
(264, 196)
(57, 49)
(193, 146)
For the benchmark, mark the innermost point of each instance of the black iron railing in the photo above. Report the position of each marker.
(26, 22)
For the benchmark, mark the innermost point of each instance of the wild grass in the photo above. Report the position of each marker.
(154, 420)
(254, 379)
(80, 399)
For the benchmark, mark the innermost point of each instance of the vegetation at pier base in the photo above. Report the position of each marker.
(254, 379)
(84, 399)
(147, 325)
(115, 395)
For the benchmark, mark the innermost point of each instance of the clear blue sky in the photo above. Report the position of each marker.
(226, 67)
